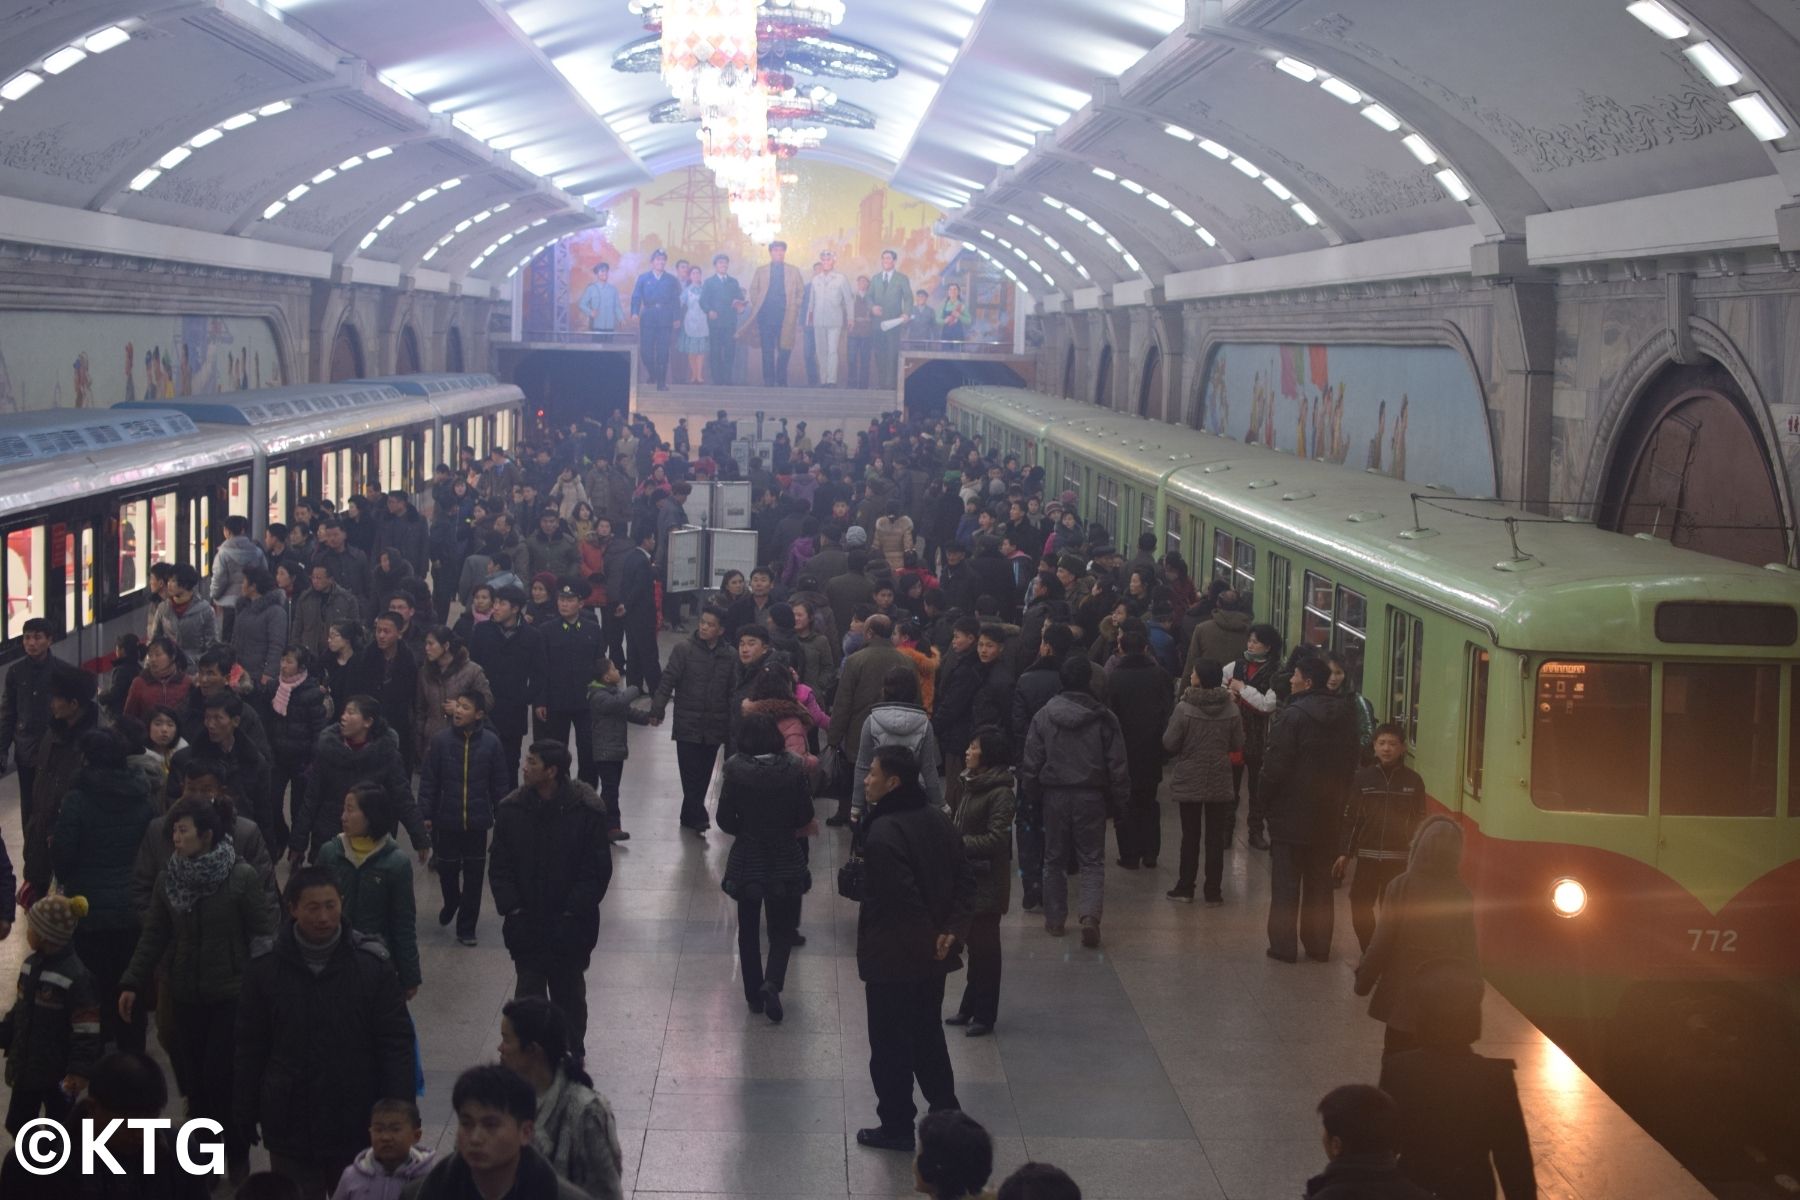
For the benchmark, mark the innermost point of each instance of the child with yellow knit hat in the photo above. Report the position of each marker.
(52, 1035)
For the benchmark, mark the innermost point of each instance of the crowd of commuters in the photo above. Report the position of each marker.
(977, 678)
(849, 330)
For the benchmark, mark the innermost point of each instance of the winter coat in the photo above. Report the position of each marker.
(893, 538)
(609, 712)
(234, 555)
(1035, 687)
(818, 662)
(250, 723)
(260, 634)
(764, 802)
(559, 554)
(1460, 1122)
(1265, 687)
(827, 563)
(58, 763)
(894, 723)
(378, 900)
(514, 662)
(1075, 744)
(246, 772)
(407, 535)
(1307, 765)
(25, 705)
(393, 682)
(338, 766)
(53, 1027)
(984, 818)
(796, 724)
(462, 777)
(441, 682)
(1383, 812)
(1142, 697)
(926, 662)
(917, 885)
(845, 592)
(1203, 732)
(98, 832)
(1221, 639)
(118, 686)
(571, 651)
(1427, 916)
(567, 495)
(576, 1132)
(210, 945)
(158, 844)
(859, 689)
(366, 1179)
(450, 1179)
(315, 612)
(314, 1052)
(701, 679)
(1364, 1177)
(293, 737)
(548, 869)
(992, 575)
(196, 631)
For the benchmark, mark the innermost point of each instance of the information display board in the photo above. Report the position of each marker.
(700, 504)
(687, 559)
(732, 550)
(731, 504)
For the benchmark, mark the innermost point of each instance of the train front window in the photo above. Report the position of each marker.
(1721, 726)
(1590, 737)
(26, 584)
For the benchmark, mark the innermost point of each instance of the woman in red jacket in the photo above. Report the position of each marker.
(163, 683)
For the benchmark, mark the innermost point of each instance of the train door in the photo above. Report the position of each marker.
(24, 577)
(337, 481)
(1477, 667)
(280, 498)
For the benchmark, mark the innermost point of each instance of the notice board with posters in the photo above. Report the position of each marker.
(731, 504)
(687, 559)
(700, 504)
(732, 550)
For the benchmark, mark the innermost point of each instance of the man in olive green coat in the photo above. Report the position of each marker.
(890, 298)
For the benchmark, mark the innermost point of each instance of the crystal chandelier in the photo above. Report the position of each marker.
(708, 50)
(756, 205)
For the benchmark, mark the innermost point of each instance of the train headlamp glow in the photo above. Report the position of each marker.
(1568, 897)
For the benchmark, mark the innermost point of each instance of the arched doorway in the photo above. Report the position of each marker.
(453, 354)
(346, 354)
(1691, 466)
(1068, 388)
(407, 362)
(1150, 386)
(1103, 380)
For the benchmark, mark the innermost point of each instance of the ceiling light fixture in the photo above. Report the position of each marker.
(381, 225)
(1453, 184)
(1341, 90)
(1663, 22)
(298, 190)
(1759, 118)
(1420, 148)
(1304, 72)
(1382, 118)
(1712, 63)
(205, 137)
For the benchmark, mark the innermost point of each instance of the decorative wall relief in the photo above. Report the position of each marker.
(96, 360)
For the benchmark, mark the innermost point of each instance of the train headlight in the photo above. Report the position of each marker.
(1568, 897)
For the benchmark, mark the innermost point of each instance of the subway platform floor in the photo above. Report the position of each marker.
(1174, 1061)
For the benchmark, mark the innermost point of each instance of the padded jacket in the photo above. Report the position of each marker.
(339, 766)
(378, 900)
(1202, 734)
(1307, 764)
(516, 671)
(441, 682)
(548, 868)
(984, 818)
(462, 778)
(763, 803)
(917, 884)
(294, 737)
(211, 944)
(701, 679)
(316, 612)
(609, 712)
(1075, 744)
(260, 633)
(98, 831)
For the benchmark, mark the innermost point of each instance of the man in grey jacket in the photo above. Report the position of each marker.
(237, 553)
(1074, 767)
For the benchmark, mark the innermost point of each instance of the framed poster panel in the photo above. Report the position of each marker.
(700, 505)
(731, 504)
(687, 559)
(732, 550)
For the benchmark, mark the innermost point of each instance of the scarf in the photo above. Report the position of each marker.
(317, 955)
(480, 616)
(190, 880)
(284, 690)
(358, 848)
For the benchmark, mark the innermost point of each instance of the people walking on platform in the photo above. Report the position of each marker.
(575, 1129)
(612, 706)
(1386, 803)
(1141, 695)
(51, 1031)
(1255, 682)
(1205, 739)
(573, 644)
(1310, 758)
(860, 686)
(700, 678)
(464, 775)
(1036, 686)
(899, 720)
(984, 818)
(375, 878)
(633, 599)
(1074, 764)
(511, 653)
(918, 897)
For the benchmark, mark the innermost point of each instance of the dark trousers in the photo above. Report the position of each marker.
(563, 981)
(906, 1041)
(27, 780)
(26, 1103)
(784, 920)
(721, 353)
(695, 761)
(612, 632)
(283, 780)
(887, 360)
(1300, 889)
(643, 666)
(511, 744)
(205, 1035)
(610, 774)
(107, 952)
(774, 358)
(1367, 884)
(316, 1177)
(1214, 822)
(653, 340)
(556, 727)
(812, 358)
(1258, 814)
(981, 991)
(1028, 827)
(862, 361)
(1139, 829)
(461, 865)
(445, 575)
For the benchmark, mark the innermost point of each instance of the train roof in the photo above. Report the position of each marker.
(98, 469)
(44, 434)
(454, 395)
(273, 406)
(1570, 585)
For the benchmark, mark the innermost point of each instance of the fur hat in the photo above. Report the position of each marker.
(53, 918)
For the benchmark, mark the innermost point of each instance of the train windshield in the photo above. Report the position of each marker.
(1590, 737)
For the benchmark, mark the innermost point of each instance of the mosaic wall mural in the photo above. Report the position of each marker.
(96, 360)
(1411, 412)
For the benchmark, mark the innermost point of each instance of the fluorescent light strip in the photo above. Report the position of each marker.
(328, 174)
(422, 197)
(1709, 59)
(1660, 20)
(64, 58)
(1421, 149)
(205, 137)
(1099, 230)
(1341, 90)
(1759, 118)
(1304, 72)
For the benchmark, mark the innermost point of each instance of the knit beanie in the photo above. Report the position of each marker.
(53, 918)
(855, 536)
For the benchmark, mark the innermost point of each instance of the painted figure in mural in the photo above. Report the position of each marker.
(723, 299)
(1259, 401)
(774, 313)
(1397, 452)
(694, 327)
(862, 336)
(832, 308)
(922, 324)
(130, 367)
(84, 382)
(599, 303)
(187, 372)
(1374, 462)
(1268, 434)
(1218, 401)
(656, 303)
(1300, 428)
(812, 339)
(888, 294)
(952, 328)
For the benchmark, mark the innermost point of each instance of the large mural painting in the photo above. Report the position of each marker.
(95, 360)
(1410, 412)
(824, 207)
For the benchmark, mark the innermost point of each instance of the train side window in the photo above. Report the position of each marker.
(237, 495)
(134, 562)
(26, 584)
(163, 546)
(1721, 724)
(1316, 610)
(1171, 531)
(1351, 630)
(1243, 574)
(1475, 736)
(1147, 514)
(1590, 737)
(1107, 505)
(430, 461)
(199, 527)
(1224, 555)
(1281, 587)
(278, 494)
(1406, 670)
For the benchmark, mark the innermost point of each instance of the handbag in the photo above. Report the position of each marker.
(835, 773)
(850, 876)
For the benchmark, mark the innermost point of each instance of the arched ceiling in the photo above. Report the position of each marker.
(1187, 136)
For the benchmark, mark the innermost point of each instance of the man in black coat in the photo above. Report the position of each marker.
(348, 564)
(991, 575)
(918, 896)
(322, 1034)
(1142, 696)
(402, 529)
(1034, 689)
(1312, 753)
(511, 653)
(634, 603)
(387, 670)
(573, 646)
(25, 707)
(548, 870)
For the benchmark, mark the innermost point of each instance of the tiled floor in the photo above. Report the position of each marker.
(1174, 1061)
